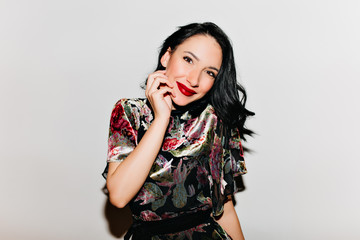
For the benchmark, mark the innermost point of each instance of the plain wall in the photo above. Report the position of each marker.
(64, 64)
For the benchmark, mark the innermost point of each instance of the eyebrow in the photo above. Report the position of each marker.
(214, 68)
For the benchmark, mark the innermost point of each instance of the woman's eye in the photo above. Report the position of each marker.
(211, 74)
(189, 60)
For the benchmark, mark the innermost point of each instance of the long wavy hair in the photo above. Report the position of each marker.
(224, 95)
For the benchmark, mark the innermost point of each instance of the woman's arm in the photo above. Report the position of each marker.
(125, 179)
(230, 222)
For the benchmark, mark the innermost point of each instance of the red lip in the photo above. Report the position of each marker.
(184, 90)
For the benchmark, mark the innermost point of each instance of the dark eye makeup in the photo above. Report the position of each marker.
(188, 59)
(211, 74)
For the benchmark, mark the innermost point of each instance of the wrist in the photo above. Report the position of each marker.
(161, 121)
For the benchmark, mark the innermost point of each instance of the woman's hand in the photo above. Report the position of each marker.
(158, 91)
(141, 159)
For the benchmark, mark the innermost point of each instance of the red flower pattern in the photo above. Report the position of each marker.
(117, 121)
(171, 143)
(194, 134)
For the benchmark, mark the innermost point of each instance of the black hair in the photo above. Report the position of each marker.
(224, 95)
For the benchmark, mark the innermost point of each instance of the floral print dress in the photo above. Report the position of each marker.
(192, 172)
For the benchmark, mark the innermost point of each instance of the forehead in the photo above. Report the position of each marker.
(205, 47)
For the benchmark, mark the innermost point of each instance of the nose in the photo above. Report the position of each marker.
(194, 78)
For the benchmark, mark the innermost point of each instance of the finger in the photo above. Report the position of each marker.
(158, 83)
(150, 84)
(152, 76)
(162, 91)
(161, 80)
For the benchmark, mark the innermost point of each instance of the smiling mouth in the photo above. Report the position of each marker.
(184, 90)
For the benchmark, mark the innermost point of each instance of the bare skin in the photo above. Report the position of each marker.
(194, 64)
(230, 221)
(142, 158)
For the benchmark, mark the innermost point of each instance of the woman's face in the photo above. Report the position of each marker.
(192, 68)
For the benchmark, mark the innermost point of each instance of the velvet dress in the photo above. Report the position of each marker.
(192, 172)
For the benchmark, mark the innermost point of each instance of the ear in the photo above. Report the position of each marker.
(165, 58)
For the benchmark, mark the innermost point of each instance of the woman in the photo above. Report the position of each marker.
(173, 156)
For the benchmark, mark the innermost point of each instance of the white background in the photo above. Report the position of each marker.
(64, 64)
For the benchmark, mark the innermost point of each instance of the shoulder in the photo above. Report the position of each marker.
(209, 115)
(234, 139)
(129, 106)
(208, 112)
(131, 102)
(132, 110)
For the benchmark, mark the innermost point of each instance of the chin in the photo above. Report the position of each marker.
(181, 102)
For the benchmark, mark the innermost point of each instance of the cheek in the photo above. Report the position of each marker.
(175, 69)
(207, 85)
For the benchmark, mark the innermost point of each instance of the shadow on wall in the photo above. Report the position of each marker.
(119, 219)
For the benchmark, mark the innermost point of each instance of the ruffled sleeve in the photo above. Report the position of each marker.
(234, 163)
(224, 166)
(122, 136)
